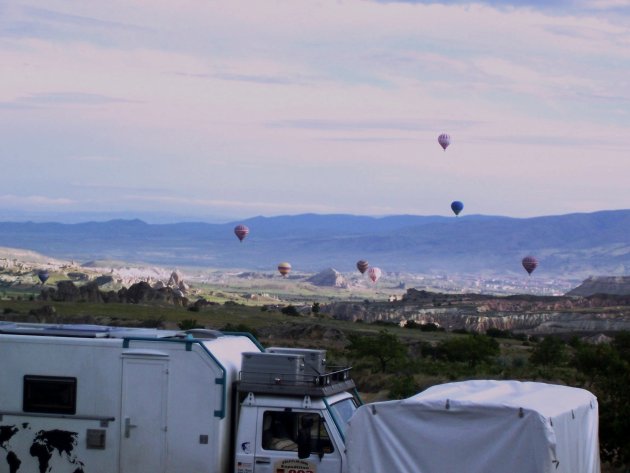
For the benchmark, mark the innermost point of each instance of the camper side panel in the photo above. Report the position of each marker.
(59, 404)
(196, 435)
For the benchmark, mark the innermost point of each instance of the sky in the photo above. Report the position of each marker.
(222, 110)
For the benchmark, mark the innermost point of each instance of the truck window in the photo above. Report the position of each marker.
(281, 429)
(342, 411)
(49, 394)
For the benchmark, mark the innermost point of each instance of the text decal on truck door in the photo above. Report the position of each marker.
(294, 466)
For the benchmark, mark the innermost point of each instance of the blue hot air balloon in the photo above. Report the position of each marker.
(43, 276)
(457, 207)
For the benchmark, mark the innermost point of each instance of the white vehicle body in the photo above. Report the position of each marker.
(90, 399)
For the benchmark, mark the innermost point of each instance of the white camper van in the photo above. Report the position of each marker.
(94, 399)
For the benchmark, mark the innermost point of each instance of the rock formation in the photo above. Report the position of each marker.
(139, 293)
(478, 313)
(329, 278)
(616, 285)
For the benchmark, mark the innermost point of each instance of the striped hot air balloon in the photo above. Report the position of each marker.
(284, 268)
(241, 231)
(362, 266)
(530, 264)
(444, 139)
(374, 274)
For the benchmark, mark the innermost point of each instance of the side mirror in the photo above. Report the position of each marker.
(304, 443)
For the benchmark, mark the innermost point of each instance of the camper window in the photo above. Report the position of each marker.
(50, 394)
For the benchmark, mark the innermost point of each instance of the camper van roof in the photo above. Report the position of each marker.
(84, 331)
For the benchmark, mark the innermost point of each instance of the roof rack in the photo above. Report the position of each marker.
(325, 384)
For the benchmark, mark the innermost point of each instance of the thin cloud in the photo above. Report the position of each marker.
(549, 141)
(72, 98)
(55, 16)
(34, 200)
(37, 21)
(259, 79)
(258, 206)
(118, 188)
(350, 125)
(52, 99)
(605, 4)
(96, 159)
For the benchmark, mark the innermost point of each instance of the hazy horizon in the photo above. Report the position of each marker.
(173, 218)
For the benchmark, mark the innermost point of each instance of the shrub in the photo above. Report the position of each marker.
(153, 323)
(431, 327)
(188, 324)
(498, 333)
(243, 328)
(403, 387)
(290, 310)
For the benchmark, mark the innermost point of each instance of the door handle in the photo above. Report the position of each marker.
(263, 461)
(128, 426)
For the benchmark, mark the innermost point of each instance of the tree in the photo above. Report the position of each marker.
(607, 372)
(551, 351)
(315, 309)
(386, 348)
(473, 349)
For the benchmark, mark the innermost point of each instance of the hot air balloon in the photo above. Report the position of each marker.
(530, 264)
(457, 206)
(241, 231)
(43, 276)
(374, 274)
(444, 139)
(362, 266)
(284, 268)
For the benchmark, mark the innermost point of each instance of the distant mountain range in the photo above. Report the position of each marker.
(576, 245)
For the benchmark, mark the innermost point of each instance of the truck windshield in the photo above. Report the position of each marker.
(342, 411)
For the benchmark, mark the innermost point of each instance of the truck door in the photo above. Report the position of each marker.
(143, 412)
(277, 446)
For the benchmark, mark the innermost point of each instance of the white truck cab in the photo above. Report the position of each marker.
(292, 423)
(299, 434)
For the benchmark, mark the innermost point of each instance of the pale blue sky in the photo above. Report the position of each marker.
(203, 110)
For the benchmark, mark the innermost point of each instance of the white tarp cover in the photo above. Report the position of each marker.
(478, 427)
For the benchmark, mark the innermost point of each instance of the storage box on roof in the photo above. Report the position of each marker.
(314, 360)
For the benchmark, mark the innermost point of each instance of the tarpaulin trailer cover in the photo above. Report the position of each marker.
(478, 426)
